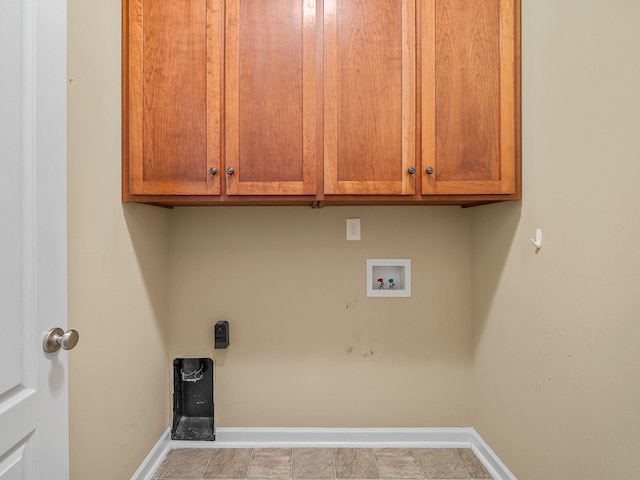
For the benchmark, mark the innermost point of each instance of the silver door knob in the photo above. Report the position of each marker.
(230, 171)
(57, 338)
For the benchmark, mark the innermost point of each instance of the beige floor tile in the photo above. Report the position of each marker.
(440, 463)
(229, 463)
(186, 463)
(472, 463)
(355, 463)
(313, 463)
(321, 464)
(397, 463)
(270, 464)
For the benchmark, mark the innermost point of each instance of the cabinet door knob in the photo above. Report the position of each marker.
(429, 170)
(213, 171)
(411, 170)
(230, 171)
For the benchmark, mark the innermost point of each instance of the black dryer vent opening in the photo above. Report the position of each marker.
(193, 406)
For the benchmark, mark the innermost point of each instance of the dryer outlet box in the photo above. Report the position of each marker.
(221, 334)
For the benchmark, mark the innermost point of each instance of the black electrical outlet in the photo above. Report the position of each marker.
(221, 334)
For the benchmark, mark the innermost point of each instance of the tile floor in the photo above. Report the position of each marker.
(321, 464)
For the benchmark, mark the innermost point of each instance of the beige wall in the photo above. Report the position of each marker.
(308, 348)
(556, 334)
(117, 268)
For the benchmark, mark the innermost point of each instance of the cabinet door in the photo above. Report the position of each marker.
(468, 97)
(271, 92)
(369, 96)
(173, 97)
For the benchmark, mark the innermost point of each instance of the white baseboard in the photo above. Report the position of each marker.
(154, 459)
(489, 459)
(339, 437)
(464, 437)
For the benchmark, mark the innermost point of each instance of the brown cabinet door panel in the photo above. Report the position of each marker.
(468, 95)
(271, 83)
(369, 99)
(170, 110)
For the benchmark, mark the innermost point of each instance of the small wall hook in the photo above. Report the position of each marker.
(537, 242)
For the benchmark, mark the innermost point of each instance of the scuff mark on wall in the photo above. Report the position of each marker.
(350, 349)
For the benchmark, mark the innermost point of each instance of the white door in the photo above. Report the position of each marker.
(34, 437)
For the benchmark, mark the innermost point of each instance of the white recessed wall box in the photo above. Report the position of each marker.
(388, 277)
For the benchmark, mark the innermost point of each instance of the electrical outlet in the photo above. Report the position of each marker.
(353, 229)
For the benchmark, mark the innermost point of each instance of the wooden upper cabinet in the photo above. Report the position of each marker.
(271, 97)
(469, 97)
(172, 96)
(369, 97)
(321, 101)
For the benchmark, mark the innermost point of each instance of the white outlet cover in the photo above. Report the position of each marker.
(353, 229)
